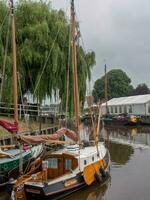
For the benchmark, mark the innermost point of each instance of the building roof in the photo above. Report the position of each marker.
(138, 99)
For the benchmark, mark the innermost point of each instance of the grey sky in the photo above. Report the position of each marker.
(119, 33)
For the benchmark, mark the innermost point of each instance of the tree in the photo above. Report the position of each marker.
(4, 33)
(141, 88)
(43, 57)
(119, 84)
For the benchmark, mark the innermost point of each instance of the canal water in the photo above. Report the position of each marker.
(130, 169)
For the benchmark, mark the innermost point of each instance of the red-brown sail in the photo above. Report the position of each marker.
(43, 138)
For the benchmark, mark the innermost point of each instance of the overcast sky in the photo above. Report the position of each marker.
(119, 33)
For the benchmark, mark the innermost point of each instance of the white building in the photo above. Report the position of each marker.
(137, 105)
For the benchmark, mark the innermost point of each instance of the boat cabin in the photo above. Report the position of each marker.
(60, 164)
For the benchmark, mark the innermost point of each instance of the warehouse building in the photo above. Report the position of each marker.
(137, 105)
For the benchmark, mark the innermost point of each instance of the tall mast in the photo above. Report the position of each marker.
(106, 91)
(15, 93)
(74, 64)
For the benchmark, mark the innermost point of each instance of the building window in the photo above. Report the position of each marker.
(111, 109)
(130, 109)
(116, 109)
(125, 109)
(120, 109)
(85, 162)
(68, 164)
(148, 108)
(53, 163)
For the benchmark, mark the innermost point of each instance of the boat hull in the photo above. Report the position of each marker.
(5, 175)
(61, 189)
(56, 191)
(145, 120)
(121, 121)
(13, 173)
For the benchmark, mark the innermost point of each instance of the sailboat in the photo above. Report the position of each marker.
(71, 168)
(10, 156)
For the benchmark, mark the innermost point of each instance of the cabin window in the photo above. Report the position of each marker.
(125, 109)
(92, 158)
(85, 162)
(130, 109)
(53, 163)
(111, 109)
(68, 164)
(149, 109)
(116, 109)
(120, 109)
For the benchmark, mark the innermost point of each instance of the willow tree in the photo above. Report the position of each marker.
(5, 54)
(43, 51)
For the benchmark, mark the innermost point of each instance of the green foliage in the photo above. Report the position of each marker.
(4, 26)
(140, 89)
(42, 33)
(119, 85)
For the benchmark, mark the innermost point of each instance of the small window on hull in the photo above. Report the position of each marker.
(85, 162)
(68, 164)
(53, 163)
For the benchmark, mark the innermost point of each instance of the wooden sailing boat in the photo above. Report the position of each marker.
(71, 168)
(10, 158)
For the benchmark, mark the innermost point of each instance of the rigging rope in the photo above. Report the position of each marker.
(5, 58)
(67, 94)
(38, 82)
(3, 21)
(21, 94)
(36, 87)
(95, 131)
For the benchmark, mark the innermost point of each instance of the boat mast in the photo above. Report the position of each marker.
(74, 64)
(106, 91)
(15, 89)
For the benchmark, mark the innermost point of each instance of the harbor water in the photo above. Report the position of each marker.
(130, 168)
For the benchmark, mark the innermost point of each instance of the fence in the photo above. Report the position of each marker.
(33, 110)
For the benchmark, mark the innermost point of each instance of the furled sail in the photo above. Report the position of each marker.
(45, 138)
(11, 127)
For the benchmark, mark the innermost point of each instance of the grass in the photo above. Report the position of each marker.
(33, 125)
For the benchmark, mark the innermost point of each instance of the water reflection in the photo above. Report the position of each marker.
(94, 192)
(131, 179)
(128, 135)
(120, 154)
(4, 196)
